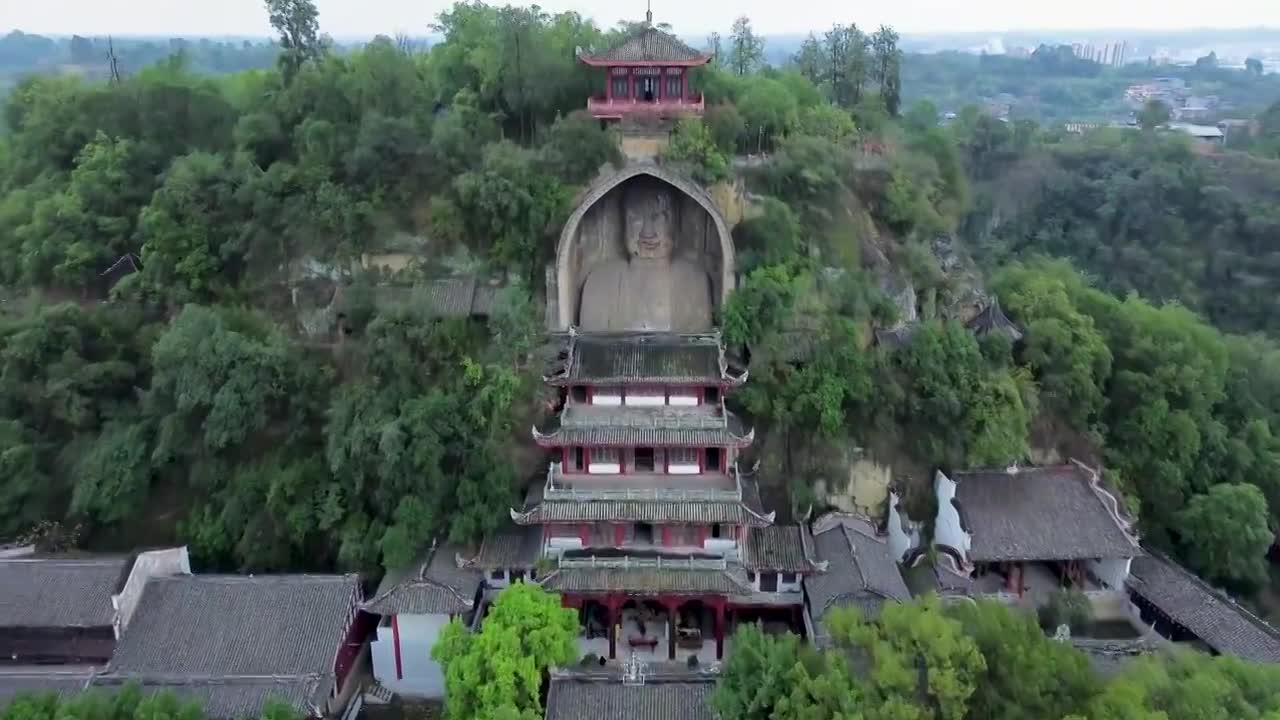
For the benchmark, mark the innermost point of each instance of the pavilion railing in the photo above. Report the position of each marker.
(631, 563)
(555, 491)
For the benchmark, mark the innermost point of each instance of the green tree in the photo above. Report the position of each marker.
(501, 667)
(1226, 535)
(512, 208)
(746, 49)
(1026, 674)
(693, 146)
(886, 67)
(577, 147)
(298, 24)
(1154, 114)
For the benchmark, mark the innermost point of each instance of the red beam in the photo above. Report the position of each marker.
(395, 639)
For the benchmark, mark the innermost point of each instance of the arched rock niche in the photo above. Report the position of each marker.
(595, 234)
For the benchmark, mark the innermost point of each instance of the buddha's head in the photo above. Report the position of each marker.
(650, 221)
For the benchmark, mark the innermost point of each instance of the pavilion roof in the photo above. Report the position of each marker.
(860, 570)
(606, 426)
(514, 548)
(1208, 613)
(647, 45)
(661, 509)
(779, 548)
(644, 576)
(440, 585)
(60, 591)
(581, 698)
(1037, 514)
(643, 359)
(992, 319)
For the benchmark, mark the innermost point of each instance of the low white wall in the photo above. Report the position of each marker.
(655, 400)
(608, 400)
(684, 400)
(674, 469)
(153, 563)
(1112, 573)
(901, 541)
(422, 676)
(947, 529)
(612, 468)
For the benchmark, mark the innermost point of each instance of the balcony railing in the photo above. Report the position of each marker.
(555, 491)
(630, 563)
(625, 106)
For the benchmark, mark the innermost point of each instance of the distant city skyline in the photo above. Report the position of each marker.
(359, 18)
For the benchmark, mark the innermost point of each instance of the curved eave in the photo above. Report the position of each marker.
(609, 62)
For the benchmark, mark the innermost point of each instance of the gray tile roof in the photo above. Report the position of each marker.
(232, 641)
(642, 358)
(59, 592)
(590, 699)
(780, 548)
(516, 548)
(232, 698)
(993, 319)
(730, 581)
(749, 511)
(1052, 513)
(860, 571)
(438, 586)
(451, 297)
(41, 681)
(602, 426)
(220, 625)
(648, 45)
(1203, 610)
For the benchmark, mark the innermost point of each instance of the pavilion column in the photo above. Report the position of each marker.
(612, 604)
(684, 85)
(631, 84)
(720, 630)
(608, 85)
(672, 607)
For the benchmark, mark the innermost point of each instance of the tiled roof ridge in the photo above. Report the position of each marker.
(420, 578)
(212, 678)
(1109, 501)
(231, 578)
(1216, 592)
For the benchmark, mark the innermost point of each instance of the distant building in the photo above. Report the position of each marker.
(57, 610)
(1204, 134)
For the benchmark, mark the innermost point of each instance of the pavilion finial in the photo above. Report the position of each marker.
(648, 16)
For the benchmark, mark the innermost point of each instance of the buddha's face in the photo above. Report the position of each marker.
(650, 224)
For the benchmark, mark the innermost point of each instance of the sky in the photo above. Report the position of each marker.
(358, 18)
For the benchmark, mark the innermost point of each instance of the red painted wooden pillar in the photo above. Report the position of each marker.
(672, 606)
(564, 459)
(395, 641)
(586, 460)
(666, 536)
(608, 85)
(631, 84)
(702, 536)
(612, 605)
(684, 85)
(584, 534)
(720, 630)
(666, 461)
(619, 535)
(702, 460)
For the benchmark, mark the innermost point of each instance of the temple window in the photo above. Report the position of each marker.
(788, 578)
(769, 582)
(607, 396)
(645, 458)
(684, 398)
(716, 531)
(578, 393)
(645, 397)
(683, 461)
(605, 461)
(713, 395)
(619, 86)
(674, 85)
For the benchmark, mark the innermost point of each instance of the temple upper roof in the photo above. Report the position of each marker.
(640, 358)
(606, 426)
(545, 504)
(648, 45)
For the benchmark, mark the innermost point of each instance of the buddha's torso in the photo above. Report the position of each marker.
(659, 294)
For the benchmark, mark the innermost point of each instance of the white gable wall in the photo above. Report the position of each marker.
(1112, 572)
(421, 676)
(947, 528)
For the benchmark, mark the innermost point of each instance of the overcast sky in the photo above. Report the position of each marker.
(367, 17)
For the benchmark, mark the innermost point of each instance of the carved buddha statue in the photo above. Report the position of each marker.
(649, 289)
